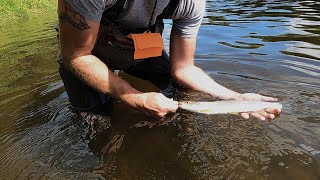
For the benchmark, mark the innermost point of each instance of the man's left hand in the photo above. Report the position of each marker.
(263, 114)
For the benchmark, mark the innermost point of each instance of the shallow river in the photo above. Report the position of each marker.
(267, 47)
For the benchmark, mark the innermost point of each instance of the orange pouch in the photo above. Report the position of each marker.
(147, 45)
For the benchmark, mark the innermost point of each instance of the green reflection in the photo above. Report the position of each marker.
(13, 10)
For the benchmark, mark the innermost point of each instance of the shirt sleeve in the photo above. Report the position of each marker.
(188, 17)
(90, 9)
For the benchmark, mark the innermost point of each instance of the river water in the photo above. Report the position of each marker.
(267, 47)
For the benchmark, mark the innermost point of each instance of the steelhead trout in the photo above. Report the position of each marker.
(227, 107)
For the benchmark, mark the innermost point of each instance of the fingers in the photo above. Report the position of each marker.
(271, 116)
(168, 105)
(262, 115)
(159, 105)
(172, 105)
(160, 114)
(245, 115)
(256, 97)
(273, 111)
(267, 98)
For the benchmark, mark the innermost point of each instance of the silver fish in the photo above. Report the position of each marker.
(227, 107)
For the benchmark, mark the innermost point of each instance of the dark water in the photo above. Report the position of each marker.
(268, 47)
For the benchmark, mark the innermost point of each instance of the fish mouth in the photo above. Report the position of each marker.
(187, 105)
(187, 102)
(181, 104)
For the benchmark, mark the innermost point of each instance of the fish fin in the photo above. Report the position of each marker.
(206, 111)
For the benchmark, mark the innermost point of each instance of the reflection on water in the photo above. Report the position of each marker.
(267, 47)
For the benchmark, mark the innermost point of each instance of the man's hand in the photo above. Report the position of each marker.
(261, 115)
(156, 104)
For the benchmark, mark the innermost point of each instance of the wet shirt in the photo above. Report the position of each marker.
(138, 13)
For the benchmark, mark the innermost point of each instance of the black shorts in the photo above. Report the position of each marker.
(85, 99)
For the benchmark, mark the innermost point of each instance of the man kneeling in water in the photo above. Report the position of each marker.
(99, 36)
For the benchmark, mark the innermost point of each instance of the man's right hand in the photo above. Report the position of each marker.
(156, 104)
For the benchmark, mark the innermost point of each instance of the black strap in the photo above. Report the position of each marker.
(168, 12)
(154, 8)
(119, 7)
(115, 10)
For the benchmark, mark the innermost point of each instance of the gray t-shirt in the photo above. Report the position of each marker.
(186, 19)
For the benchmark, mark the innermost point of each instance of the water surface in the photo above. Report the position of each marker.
(267, 47)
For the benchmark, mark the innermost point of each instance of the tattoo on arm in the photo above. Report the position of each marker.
(75, 19)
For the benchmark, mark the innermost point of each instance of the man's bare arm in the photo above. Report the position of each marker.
(77, 38)
(186, 73)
